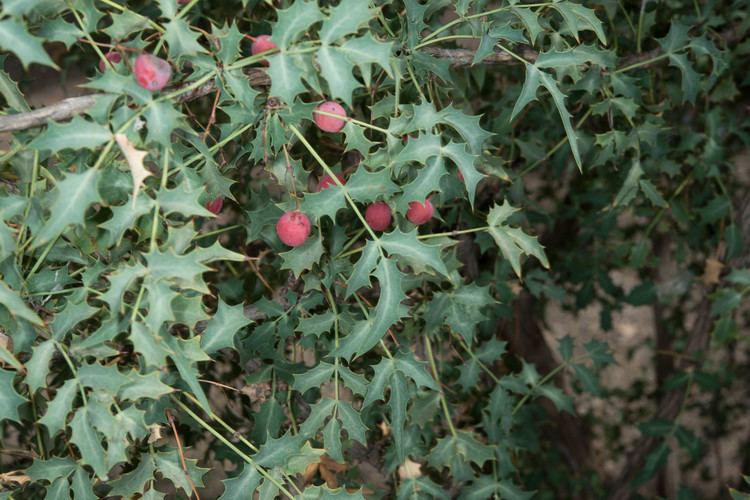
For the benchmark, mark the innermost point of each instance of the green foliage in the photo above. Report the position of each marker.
(141, 326)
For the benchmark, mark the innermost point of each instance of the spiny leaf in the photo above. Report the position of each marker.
(417, 254)
(73, 196)
(345, 18)
(16, 306)
(367, 333)
(221, 329)
(15, 37)
(513, 242)
(79, 133)
(10, 400)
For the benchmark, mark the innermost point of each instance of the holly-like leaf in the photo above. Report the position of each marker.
(344, 19)
(360, 276)
(579, 18)
(293, 21)
(14, 37)
(73, 196)
(222, 328)
(336, 69)
(10, 400)
(182, 41)
(59, 408)
(38, 365)
(304, 257)
(512, 241)
(242, 485)
(88, 442)
(367, 333)
(79, 133)
(170, 466)
(417, 254)
(16, 306)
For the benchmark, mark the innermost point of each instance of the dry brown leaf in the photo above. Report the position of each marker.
(384, 428)
(134, 157)
(409, 470)
(712, 271)
(14, 477)
(155, 434)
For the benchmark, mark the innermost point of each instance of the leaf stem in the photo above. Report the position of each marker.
(231, 446)
(352, 120)
(328, 171)
(444, 39)
(443, 402)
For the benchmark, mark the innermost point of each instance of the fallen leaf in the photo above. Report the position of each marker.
(712, 271)
(409, 470)
(134, 157)
(14, 477)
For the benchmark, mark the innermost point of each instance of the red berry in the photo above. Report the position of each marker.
(329, 123)
(293, 228)
(113, 57)
(378, 216)
(262, 43)
(151, 72)
(327, 181)
(214, 206)
(419, 213)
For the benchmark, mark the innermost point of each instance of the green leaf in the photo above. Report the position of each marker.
(366, 50)
(12, 94)
(82, 485)
(336, 69)
(528, 91)
(512, 241)
(79, 133)
(277, 451)
(286, 72)
(463, 445)
(575, 56)
(10, 400)
(417, 254)
(183, 200)
(366, 334)
(162, 118)
(125, 216)
(304, 257)
(49, 470)
(88, 442)
(360, 276)
(314, 377)
(365, 186)
(148, 386)
(59, 408)
(222, 328)
(170, 465)
(38, 365)
(72, 198)
(181, 39)
(136, 480)
(293, 21)
(690, 78)
(351, 421)
(14, 37)
(579, 18)
(344, 19)
(16, 306)
(426, 182)
(242, 485)
(559, 99)
(326, 202)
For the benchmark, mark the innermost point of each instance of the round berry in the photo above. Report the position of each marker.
(378, 216)
(262, 43)
(214, 206)
(328, 123)
(293, 228)
(419, 213)
(151, 72)
(327, 181)
(113, 57)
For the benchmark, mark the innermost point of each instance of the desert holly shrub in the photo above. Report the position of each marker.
(298, 242)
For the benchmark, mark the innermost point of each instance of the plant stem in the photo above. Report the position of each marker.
(352, 120)
(328, 170)
(217, 231)
(232, 447)
(444, 39)
(443, 402)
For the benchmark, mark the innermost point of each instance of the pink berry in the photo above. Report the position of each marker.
(262, 43)
(293, 228)
(327, 181)
(419, 213)
(151, 72)
(378, 216)
(214, 206)
(113, 57)
(329, 123)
